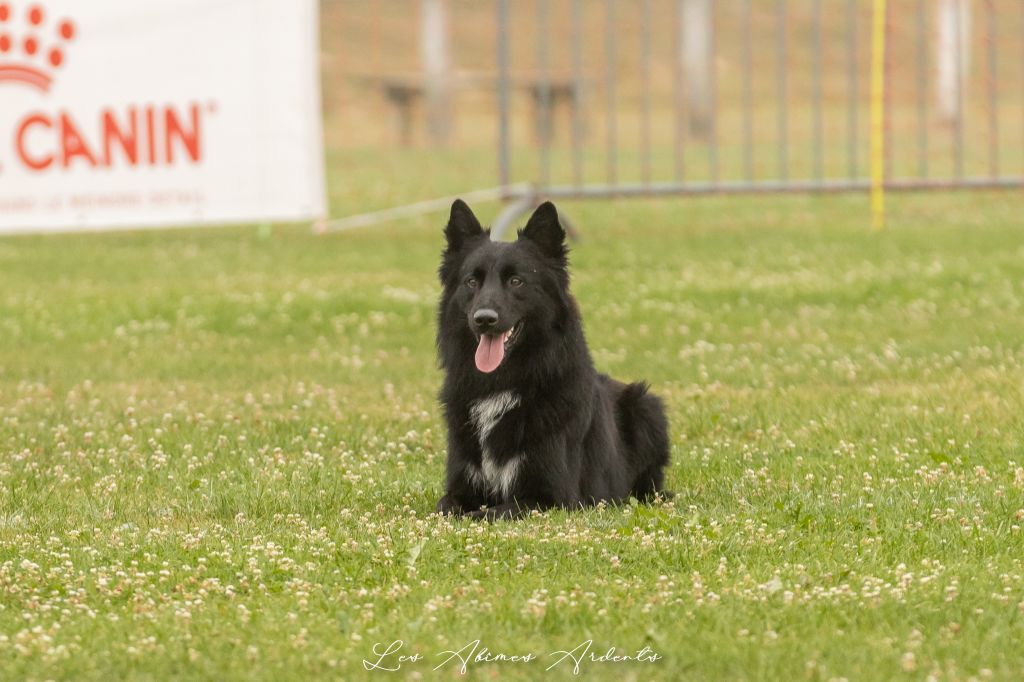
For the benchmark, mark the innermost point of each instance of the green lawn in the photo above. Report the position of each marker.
(220, 451)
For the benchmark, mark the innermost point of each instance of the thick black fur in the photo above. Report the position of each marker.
(580, 437)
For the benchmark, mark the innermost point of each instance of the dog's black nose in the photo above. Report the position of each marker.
(485, 317)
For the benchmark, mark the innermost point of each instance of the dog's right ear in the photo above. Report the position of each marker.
(462, 225)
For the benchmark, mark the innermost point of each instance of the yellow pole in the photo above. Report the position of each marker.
(878, 40)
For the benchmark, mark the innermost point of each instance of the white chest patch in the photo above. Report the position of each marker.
(491, 476)
(488, 412)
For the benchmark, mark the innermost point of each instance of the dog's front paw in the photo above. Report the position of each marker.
(446, 505)
(501, 512)
(482, 515)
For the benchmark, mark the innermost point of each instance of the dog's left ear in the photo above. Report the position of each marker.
(544, 230)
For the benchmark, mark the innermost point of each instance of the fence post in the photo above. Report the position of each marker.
(435, 57)
(953, 56)
(697, 61)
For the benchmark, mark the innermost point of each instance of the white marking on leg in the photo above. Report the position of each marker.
(491, 476)
(476, 477)
(501, 477)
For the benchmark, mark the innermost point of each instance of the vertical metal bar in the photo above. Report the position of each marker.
(577, 84)
(922, 91)
(887, 90)
(713, 82)
(879, 100)
(993, 92)
(645, 91)
(544, 118)
(782, 139)
(613, 159)
(678, 98)
(819, 143)
(748, 106)
(503, 99)
(852, 96)
(958, 123)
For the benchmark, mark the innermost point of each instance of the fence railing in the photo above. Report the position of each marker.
(764, 97)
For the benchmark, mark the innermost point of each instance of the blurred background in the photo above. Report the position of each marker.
(666, 96)
(220, 448)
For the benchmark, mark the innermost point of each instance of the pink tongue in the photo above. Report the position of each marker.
(490, 352)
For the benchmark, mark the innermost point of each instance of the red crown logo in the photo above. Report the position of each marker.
(31, 49)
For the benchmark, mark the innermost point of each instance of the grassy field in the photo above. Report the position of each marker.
(220, 451)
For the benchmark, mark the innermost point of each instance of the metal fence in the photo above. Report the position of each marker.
(772, 96)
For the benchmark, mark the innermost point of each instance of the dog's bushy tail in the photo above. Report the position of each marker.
(644, 429)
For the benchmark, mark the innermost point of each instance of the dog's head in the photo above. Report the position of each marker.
(506, 296)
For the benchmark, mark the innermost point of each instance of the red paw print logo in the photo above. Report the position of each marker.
(32, 45)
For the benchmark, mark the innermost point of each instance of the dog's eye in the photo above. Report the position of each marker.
(515, 281)
(471, 282)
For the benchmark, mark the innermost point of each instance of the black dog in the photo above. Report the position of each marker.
(531, 424)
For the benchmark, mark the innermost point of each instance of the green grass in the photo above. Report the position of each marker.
(219, 452)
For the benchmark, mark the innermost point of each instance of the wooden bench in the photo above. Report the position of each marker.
(404, 92)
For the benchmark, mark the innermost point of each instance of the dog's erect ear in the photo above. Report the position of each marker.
(544, 230)
(462, 225)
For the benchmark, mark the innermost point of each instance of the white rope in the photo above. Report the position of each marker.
(419, 208)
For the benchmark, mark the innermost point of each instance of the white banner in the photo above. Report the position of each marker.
(143, 113)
